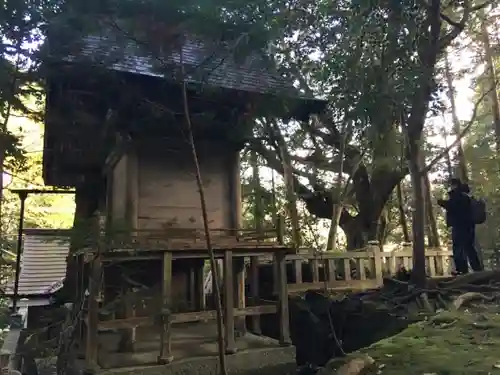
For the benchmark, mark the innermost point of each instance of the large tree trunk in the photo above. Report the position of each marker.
(449, 166)
(491, 74)
(334, 228)
(257, 193)
(2, 168)
(338, 207)
(291, 196)
(371, 192)
(402, 215)
(414, 161)
(462, 163)
(432, 231)
(358, 232)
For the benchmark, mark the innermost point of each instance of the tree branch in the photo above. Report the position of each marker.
(465, 130)
(458, 26)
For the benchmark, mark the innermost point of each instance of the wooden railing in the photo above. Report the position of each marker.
(360, 270)
(186, 238)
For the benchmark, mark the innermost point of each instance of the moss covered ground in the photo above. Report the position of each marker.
(450, 343)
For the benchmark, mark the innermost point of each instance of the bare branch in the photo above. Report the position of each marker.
(465, 130)
(459, 26)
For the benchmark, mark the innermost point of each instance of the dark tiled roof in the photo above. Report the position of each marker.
(43, 266)
(206, 64)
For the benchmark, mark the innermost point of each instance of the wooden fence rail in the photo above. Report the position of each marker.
(361, 269)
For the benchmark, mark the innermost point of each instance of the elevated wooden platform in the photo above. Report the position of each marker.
(163, 317)
(189, 340)
(185, 243)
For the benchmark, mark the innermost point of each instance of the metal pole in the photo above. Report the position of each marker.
(22, 195)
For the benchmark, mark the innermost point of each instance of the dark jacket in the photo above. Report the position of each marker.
(458, 209)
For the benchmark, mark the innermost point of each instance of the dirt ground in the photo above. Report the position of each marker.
(450, 343)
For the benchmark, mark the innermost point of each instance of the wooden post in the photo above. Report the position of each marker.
(347, 269)
(298, 271)
(127, 336)
(432, 266)
(254, 292)
(191, 281)
(239, 294)
(314, 264)
(199, 289)
(92, 346)
(393, 263)
(166, 327)
(331, 276)
(283, 300)
(275, 277)
(407, 260)
(280, 233)
(377, 256)
(229, 302)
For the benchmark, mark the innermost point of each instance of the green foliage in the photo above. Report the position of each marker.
(369, 59)
(42, 210)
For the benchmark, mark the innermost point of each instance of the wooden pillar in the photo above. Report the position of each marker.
(191, 283)
(199, 288)
(239, 294)
(283, 299)
(127, 337)
(377, 257)
(254, 292)
(229, 302)
(280, 233)
(166, 327)
(132, 189)
(92, 346)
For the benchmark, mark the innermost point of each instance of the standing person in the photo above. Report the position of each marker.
(471, 249)
(459, 217)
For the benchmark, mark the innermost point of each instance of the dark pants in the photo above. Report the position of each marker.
(464, 249)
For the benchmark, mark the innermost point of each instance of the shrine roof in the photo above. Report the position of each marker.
(43, 263)
(212, 64)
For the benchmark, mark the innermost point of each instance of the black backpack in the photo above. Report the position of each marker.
(478, 207)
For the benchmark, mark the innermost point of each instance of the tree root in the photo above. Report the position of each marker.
(439, 294)
(470, 296)
(483, 277)
(425, 302)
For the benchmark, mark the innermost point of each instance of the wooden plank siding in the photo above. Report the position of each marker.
(166, 194)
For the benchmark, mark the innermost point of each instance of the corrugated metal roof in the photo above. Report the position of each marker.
(212, 64)
(43, 263)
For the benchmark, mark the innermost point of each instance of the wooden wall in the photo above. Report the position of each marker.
(119, 192)
(159, 177)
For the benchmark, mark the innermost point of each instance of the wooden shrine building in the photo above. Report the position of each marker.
(116, 132)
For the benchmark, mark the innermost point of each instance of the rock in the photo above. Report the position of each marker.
(356, 366)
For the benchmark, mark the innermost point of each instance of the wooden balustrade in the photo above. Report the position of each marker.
(361, 269)
(191, 237)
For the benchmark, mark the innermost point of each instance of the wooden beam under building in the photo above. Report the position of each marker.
(229, 302)
(180, 318)
(239, 294)
(283, 300)
(92, 343)
(166, 313)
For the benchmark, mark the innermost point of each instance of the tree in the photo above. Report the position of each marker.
(21, 24)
